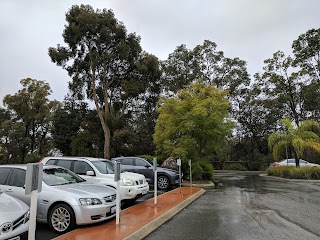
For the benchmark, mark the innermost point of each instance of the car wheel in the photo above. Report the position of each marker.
(61, 218)
(163, 182)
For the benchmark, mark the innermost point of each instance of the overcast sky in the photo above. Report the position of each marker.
(249, 29)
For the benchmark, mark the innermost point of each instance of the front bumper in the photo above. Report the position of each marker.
(132, 192)
(20, 232)
(94, 213)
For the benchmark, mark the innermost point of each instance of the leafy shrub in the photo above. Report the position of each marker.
(196, 171)
(234, 166)
(311, 173)
(207, 168)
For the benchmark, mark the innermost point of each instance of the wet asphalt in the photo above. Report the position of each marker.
(247, 206)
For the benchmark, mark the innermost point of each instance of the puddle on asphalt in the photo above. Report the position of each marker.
(252, 182)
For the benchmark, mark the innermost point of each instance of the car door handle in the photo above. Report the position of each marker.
(9, 190)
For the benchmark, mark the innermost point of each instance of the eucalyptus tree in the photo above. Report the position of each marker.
(31, 112)
(279, 82)
(105, 63)
(66, 123)
(296, 138)
(306, 50)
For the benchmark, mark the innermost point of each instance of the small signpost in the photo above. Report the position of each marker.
(189, 163)
(155, 180)
(179, 164)
(117, 179)
(33, 186)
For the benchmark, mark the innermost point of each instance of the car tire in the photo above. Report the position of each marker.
(62, 218)
(163, 182)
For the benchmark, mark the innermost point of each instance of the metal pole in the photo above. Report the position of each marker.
(287, 154)
(190, 173)
(155, 181)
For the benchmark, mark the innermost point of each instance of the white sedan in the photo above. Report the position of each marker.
(14, 218)
(292, 162)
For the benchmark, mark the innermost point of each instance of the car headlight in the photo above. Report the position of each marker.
(26, 217)
(89, 201)
(127, 182)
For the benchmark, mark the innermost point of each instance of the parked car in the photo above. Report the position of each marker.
(66, 200)
(14, 217)
(166, 177)
(292, 162)
(101, 171)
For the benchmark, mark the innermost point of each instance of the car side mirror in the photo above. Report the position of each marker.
(90, 173)
(147, 165)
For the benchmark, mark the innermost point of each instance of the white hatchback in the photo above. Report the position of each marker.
(101, 171)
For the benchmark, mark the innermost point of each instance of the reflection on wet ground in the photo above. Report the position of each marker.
(252, 182)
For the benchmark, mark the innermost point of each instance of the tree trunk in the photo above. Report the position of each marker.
(296, 157)
(106, 152)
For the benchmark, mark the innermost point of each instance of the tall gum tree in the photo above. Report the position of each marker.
(102, 59)
(31, 113)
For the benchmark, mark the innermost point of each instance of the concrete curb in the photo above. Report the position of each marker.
(199, 185)
(153, 225)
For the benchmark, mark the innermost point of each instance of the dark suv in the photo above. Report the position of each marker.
(166, 177)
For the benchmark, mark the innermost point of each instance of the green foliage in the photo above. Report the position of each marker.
(201, 170)
(306, 50)
(193, 123)
(73, 113)
(234, 167)
(310, 173)
(33, 157)
(207, 169)
(197, 171)
(107, 64)
(26, 124)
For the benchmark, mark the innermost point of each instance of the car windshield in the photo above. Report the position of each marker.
(60, 176)
(104, 167)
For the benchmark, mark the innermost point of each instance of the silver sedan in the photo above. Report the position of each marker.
(66, 200)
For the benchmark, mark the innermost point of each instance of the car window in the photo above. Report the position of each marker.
(302, 161)
(64, 163)
(59, 176)
(127, 161)
(104, 167)
(291, 161)
(17, 178)
(81, 167)
(141, 162)
(51, 162)
(3, 175)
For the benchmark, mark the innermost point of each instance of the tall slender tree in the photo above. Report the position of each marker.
(104, 62)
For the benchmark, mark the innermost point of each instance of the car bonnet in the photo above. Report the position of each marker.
(11, 208)
(86, 189)
(133, 176)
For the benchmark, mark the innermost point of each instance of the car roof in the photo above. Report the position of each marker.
(24, 166)
(91, 159)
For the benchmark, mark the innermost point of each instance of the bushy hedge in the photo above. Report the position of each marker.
(234, 166)
(202, 170)
(310, 173)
